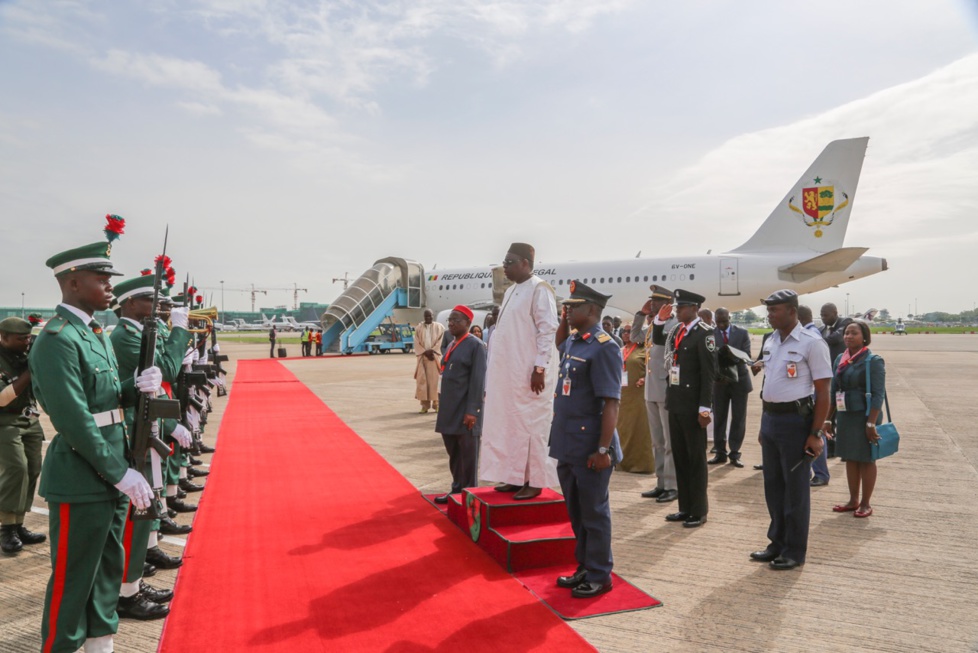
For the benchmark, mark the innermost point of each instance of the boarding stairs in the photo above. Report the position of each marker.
(390, 284)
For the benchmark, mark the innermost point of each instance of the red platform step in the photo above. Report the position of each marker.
(519, 535)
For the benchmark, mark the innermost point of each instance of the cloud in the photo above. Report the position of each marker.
(157, 70)
(200, 109)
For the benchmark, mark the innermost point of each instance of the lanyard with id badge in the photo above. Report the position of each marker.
(674, 370)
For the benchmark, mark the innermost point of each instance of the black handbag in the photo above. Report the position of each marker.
(889, 442)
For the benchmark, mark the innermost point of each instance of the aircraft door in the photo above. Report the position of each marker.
(499, 285)
(729, 283)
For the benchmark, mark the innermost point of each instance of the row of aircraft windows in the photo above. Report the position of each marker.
(560, 282)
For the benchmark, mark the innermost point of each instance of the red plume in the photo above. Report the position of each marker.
(115, 226)
(146, 272)
(199, 299)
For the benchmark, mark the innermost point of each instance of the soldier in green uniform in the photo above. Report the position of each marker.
(20, 437)
(86, 477)
(137, 600)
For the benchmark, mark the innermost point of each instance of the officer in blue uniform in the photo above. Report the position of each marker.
(796, 367)
(583, 438)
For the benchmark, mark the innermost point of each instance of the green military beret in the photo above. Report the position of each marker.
(93, 257)
(134, 287)
(15, 325)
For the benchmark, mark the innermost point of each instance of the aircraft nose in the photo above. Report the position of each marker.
(885, 266)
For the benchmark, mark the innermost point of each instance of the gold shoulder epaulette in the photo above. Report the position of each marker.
(602, 337)
(55, 324)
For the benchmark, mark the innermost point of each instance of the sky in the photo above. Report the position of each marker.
(289, 142)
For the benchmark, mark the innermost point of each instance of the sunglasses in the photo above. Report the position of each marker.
(510, 261)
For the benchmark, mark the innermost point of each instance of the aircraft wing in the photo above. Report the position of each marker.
(835, 261)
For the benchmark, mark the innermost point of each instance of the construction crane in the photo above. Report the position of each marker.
(295, 295)
(345, 279)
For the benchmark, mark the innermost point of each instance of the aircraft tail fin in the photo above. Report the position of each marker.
(815, 213)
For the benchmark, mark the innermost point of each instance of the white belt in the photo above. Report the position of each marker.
(109, 417)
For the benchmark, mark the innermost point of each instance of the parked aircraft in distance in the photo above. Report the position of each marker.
(799, 246)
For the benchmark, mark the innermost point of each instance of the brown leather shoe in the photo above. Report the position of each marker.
(527, 492)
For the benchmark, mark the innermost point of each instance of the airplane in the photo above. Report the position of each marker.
(799, 247)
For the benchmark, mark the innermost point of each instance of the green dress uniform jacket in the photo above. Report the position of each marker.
(76, 376)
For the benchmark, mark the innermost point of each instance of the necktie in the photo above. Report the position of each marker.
(726, 338)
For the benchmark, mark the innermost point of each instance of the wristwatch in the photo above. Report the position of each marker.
(604, 450)
(539, 370)
(818, 434)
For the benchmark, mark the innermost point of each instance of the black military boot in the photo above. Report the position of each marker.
(10, 544)
(170, 527)
(155, 595)
(28, 537)
(188, 486)
(205, 449)
(160, 560)
(178, 505)
(193, 472)
(139, 607)
(195, 461)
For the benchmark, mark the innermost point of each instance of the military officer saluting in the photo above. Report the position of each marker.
(692, 365)
(20, 437)
(583, 438)
(86, 477)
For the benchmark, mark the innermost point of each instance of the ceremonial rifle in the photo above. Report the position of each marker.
(149, 410)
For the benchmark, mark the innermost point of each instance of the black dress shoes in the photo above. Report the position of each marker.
(178, 505)
(819, 482)
(784, 563)
(160, 560)
(171, 513)
(10, 544)
(667, 496)
(193, 472)
(441, 499)
(187, 486)
(587, 590)
(205, 449)
(677, 516)
(764, 555)
(572, 581)
(717, 460)
(507, 487)
(28, 537)
(195, 461)
(736, 463)
(139, 607)
(758, 467)
(693, 522)
(148, 570)
(170, 527)
(155, 595)
(653, 494)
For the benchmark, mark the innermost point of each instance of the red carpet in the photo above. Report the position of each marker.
(306, 540)
(624, 597)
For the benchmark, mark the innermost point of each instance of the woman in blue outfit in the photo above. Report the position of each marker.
(855, 431)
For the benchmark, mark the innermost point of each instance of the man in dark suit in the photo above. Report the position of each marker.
(691, 354)
(729, 397)
(463, 376)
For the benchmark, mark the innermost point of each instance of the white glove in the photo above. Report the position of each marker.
(180, 317)
(188, 359)
(134, 486)
(196, 354)
(182, 436)
(149, 381)
(202, 358)
(193, 418)
(217, 348)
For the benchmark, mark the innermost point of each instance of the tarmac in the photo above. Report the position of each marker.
(904, 579)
